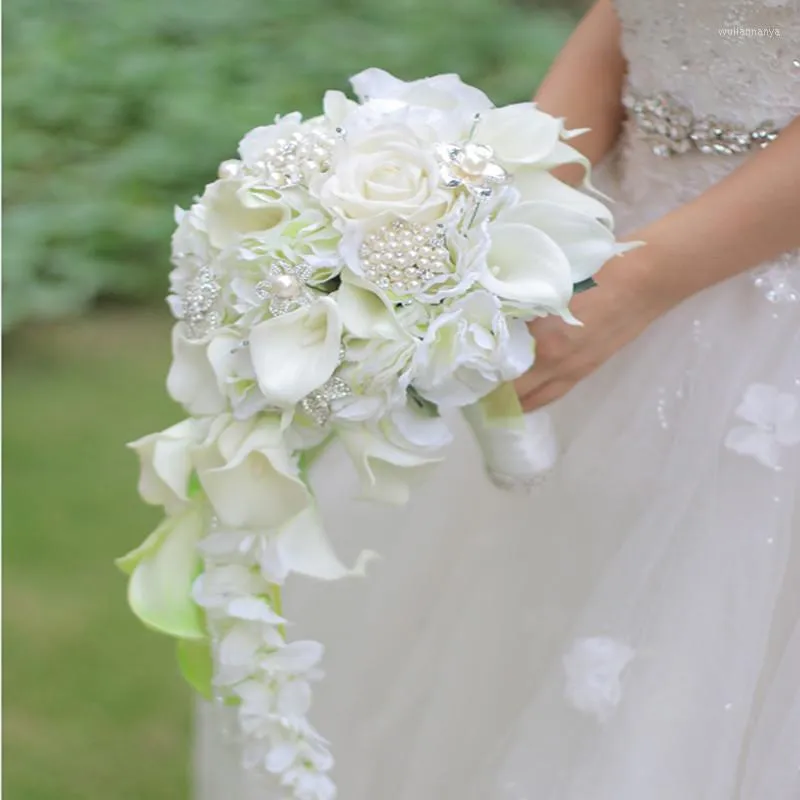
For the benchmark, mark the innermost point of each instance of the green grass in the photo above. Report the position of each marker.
(94, 707)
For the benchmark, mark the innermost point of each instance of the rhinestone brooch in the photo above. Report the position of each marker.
(671, 129)
(198, 304)
(317, 404)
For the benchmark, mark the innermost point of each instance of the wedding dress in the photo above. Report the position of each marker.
(629, 629)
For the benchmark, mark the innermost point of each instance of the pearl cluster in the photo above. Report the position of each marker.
(292, 161)
(198, 304)
(404, 258)
(286, 287)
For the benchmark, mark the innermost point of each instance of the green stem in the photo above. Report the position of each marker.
(276, 601)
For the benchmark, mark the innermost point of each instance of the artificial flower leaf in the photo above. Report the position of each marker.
(196, 666)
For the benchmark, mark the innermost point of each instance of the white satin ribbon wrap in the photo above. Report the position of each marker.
(519, 449)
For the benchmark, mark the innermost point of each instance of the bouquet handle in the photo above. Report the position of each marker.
(519, 449)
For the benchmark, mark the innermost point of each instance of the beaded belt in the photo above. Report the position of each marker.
(670, 128)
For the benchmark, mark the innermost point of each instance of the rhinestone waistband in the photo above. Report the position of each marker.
(670, 128)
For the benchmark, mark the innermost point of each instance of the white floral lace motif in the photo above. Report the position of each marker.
(772, 422)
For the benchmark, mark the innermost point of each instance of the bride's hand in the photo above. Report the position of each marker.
(613, 313)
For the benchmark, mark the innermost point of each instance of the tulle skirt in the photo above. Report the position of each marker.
(626, 631)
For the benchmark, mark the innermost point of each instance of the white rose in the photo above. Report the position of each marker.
(386, 173)
(470, 349)
(248, 474)
(295, 353)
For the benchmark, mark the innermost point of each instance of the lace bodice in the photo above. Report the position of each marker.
(738, 61)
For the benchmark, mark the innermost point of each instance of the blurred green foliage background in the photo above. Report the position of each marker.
(114, 112)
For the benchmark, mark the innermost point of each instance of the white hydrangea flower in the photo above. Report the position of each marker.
(469, 349)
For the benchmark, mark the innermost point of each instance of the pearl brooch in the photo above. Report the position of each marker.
(285, 288)
(472, 166)
(293, 161)
(404, 259)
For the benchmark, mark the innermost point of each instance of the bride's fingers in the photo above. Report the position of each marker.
(532, 381)
(545, 394)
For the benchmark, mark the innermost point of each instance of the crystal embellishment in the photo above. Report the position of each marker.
(317, 404)
(198, 304)
(780, 282)
(472, 166)
(671, 129)
(286, 287)
(404, 259)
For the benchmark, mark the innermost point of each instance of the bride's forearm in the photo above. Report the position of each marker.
(749, 217)
(584, 86)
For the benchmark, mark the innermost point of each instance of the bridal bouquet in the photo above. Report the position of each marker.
(348, 278)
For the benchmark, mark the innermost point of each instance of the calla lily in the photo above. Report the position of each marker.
(162, 571)
(586, 242)
(232, 212)
(166, 463)
(248, 474)
(304, 548)
(564, 153)
(383, 467)
(519, 134)
(191, 380)
(525, 265)
(295, 353)
(366, 315)
(536, 184)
